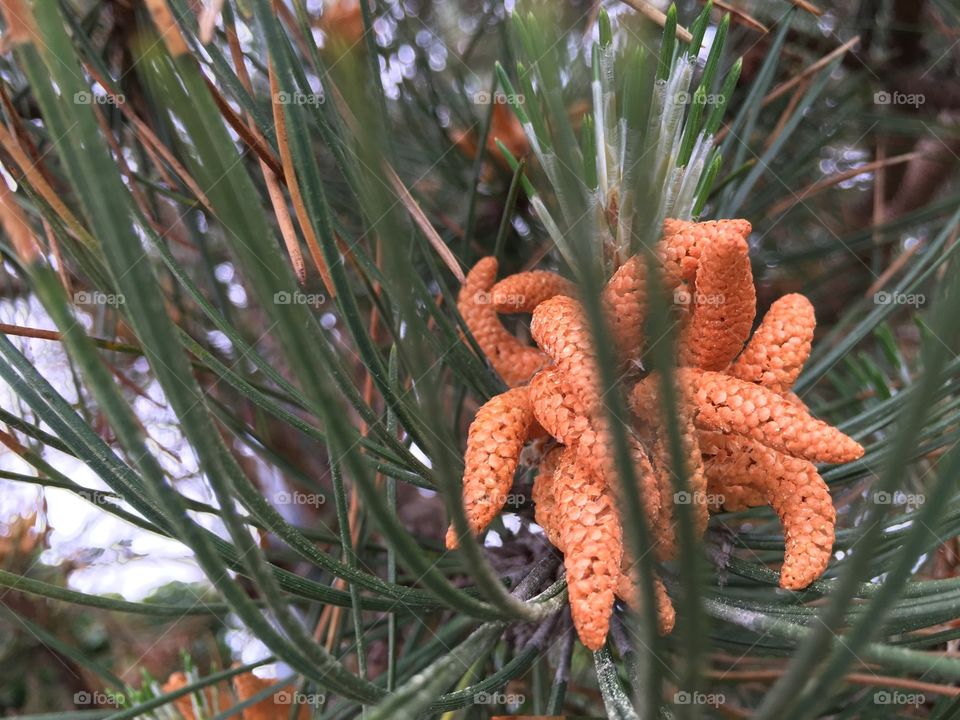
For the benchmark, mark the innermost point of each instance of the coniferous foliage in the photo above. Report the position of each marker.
(241, 338)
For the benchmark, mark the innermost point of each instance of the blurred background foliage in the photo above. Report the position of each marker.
(235, 390)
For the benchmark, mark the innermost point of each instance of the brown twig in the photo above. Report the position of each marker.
(893, 269)
(150, 138)
(135, 190)
(741, 16)
(21, 135)
(421, 220)
(16, 226)
(39, 334)
(787, 86)
(271, 170)
(39, 183)
(249, 134)
(820, 186)
(21, 26)
(655, 14)
(167, 27)
(810, 70)
(853, 678)
(404, 196)
(787, 113)
(290, 173)
(808, 6)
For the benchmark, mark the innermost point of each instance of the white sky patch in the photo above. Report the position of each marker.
(708, 37)
(248, 648)
(493, 539)
(420, 455)
(112, 554)
(512, 522)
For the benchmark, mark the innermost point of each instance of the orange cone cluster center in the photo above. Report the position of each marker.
(747, 439)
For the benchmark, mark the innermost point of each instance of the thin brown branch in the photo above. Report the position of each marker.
(37, 181)
(426, 227)
(150, 139)
(21, 135)
(167, 27)
(353, 513)
(741, 16)
(404, 196)
(21, 26)
(808, 6)
(135, 190)
(16, 226)
(893, 269)
(270, 173)
(820, 186)
(39, 334)
(788, 85)
(810, 70)
(787, 113)
(653, 13)
(290, 174)
(869, 679)
(248, 132)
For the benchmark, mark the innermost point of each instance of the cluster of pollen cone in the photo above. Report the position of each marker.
(748, 440)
